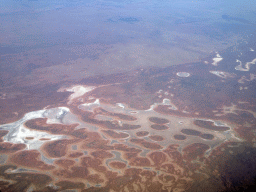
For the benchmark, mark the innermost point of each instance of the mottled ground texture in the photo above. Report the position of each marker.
(127, 96)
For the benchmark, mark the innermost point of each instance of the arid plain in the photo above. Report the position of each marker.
(126, 104)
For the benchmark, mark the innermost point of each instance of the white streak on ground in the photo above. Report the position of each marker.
(165, 102)
(120, 105)
(78, 91)
(222, 74)
(247, 65)
(90, 106)
(217, 59)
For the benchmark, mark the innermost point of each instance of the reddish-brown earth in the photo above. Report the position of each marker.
(115, 134)
(142, 133)
(195, 150)
(159, 127)
(56, 149)
(75, 154)
(179, 137)
(158, 120)
(207, 136)
(156, 137)
(146, 144)
(163, 137)
(31, 159)
(2, 134)
(65, 163)
(102, 154)
(139, 161)
(117, 165)
(6, 147)
(210, 125)
(190, 132)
